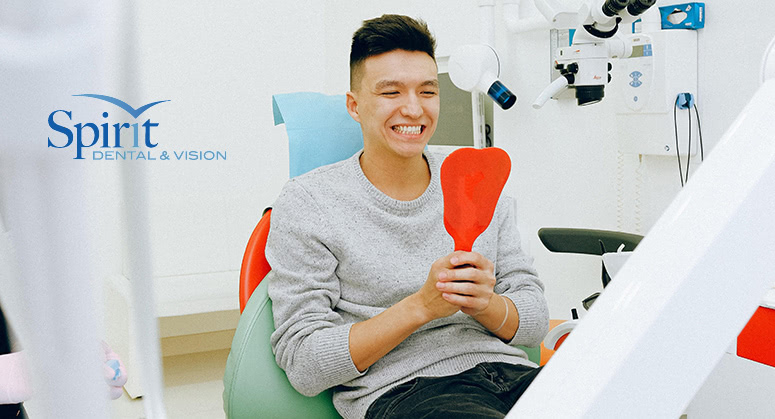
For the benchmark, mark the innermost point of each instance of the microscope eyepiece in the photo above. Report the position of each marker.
(639, 6)
(612, 8)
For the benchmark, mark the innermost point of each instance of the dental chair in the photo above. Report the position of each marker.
(320, 131)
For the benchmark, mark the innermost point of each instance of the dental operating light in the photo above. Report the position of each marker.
(475, 68)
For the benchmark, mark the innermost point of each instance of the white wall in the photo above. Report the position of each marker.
(218, 64)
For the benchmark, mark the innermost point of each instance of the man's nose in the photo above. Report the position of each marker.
(412, 108)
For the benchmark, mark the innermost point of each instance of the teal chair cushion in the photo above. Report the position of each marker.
(533, 354)
(320, 130)
(254, 386)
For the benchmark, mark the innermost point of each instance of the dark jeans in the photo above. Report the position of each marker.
(12, 411)
(488, 390)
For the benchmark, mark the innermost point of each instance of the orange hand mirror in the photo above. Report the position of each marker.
(472, 181)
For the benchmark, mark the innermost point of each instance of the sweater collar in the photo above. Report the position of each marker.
(395, 204)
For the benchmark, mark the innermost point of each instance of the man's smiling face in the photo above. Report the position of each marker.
(397, 102)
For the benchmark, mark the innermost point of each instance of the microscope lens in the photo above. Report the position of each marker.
(613, 7)
(587, 95)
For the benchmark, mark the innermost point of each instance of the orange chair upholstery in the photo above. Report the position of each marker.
(757, 340)
(547, 353)
(254, 264)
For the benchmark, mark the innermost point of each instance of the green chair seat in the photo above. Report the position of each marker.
(254, 386)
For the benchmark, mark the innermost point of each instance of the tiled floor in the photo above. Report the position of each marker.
(193, 388)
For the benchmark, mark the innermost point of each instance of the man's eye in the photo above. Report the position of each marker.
(389, 93)
(430, 93)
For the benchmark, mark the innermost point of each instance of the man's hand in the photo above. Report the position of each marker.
(430, 297)
(466, 281)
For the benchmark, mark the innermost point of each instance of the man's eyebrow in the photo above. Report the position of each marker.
(383, 84)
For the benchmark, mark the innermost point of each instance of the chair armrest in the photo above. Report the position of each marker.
(586, 241)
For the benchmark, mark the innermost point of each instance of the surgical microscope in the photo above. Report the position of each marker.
(584, 65)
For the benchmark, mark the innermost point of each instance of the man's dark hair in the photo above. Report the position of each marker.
(387, 33)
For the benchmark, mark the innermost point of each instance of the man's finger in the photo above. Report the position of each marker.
(459, 259)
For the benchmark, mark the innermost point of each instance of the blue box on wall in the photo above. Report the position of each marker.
(683, 16)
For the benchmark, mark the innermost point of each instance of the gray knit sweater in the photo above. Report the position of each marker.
(341, 252)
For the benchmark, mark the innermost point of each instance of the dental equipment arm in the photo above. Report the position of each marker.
(584, 64)
(659, 329)
(557, 13)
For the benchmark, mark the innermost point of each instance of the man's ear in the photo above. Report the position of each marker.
(352, 107)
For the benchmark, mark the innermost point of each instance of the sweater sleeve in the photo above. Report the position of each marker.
(516, 278)
(311, 340)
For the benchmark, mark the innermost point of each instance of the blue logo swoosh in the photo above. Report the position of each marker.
(123, 105)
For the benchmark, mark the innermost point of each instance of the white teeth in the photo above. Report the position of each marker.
(406, 129)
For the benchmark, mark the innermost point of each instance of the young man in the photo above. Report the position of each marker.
(366, 297)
